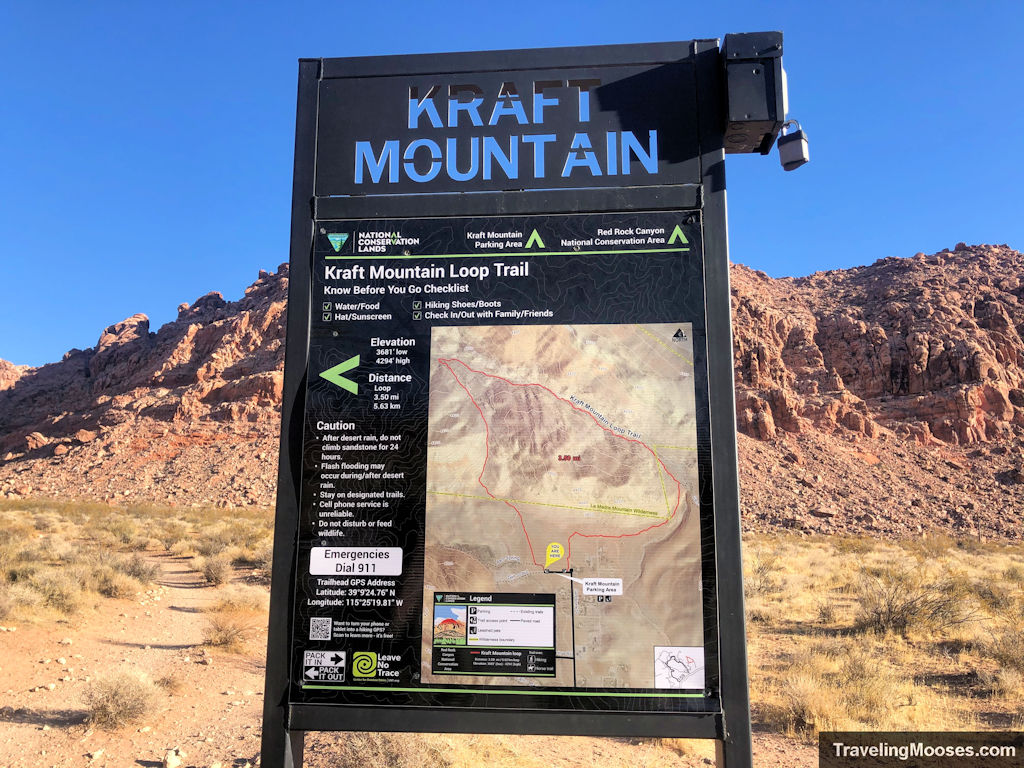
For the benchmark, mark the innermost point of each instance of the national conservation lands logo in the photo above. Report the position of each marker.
(338, 239)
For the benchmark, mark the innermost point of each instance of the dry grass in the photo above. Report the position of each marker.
(58, 558)
(119, 699)
(240, 599)
(875, 635)
(230, 630)
(170, 684)
(216, 570)
(111, 583)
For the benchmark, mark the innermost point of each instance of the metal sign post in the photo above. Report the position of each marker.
(507, 497)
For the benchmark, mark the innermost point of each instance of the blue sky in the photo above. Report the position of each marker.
(146, 149)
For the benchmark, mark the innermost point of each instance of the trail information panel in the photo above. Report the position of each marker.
(505, 424)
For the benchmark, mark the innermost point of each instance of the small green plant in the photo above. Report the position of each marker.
(119, 699)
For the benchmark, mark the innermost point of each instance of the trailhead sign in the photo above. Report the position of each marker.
(507, 496)
(500, 490)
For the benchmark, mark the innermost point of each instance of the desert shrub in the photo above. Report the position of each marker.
(826, 612)
(124, 529)
(139, 568)
(216, 570)
(172, 532)
(239, 599)
(113, 583)
(264, 559)
(396, 750)
(229, 630)
(995, 597)
(183, 548)
(763, 575)
(1007, 683)
(119, 699)
(60, 591)
(899, 599)
(807, 705)
(850, 545)
(1014, 573)
(1006, 646)
(6, 603)
(213, 541)
(170, 683)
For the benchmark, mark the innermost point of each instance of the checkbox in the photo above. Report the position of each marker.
(327, 316)
(417, 315)
(417, 305)
(327, 306)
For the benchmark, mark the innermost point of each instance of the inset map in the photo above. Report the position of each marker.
(559, 454)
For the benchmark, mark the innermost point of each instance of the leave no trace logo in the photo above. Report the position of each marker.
(364, 664)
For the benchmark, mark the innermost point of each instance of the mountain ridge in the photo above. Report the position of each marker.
(892, 395)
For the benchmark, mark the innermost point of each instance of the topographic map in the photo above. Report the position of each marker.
(562, 461)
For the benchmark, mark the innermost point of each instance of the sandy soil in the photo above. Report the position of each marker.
(211, 711)
(213, 715)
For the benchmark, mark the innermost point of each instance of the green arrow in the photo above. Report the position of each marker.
(677, 234)
(438, 598)
(535, 238)
(334, 376)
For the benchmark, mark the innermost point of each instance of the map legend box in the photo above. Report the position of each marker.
(494, 634)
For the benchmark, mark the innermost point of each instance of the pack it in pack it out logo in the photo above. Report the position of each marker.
(369, 665)
(608, 153)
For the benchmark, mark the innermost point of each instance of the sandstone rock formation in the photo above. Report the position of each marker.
(887, 398)
(187, 414)
(929, 348)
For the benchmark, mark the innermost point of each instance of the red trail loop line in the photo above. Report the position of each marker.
(446, 362)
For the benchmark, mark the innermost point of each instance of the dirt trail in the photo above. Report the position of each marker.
(212, 709)
(209, 707)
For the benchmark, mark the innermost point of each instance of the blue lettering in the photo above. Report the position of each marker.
(581, 156)
(451, 161)
(648, 157)
(509, 163)
(471, 107)
(375, 165)
(539, 102)
(538, 140)
(508, 106)
(410, 165)
(426, 105)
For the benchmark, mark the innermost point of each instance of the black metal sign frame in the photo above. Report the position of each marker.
(664, 130)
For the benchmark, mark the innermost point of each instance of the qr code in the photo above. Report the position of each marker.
(320, 629)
